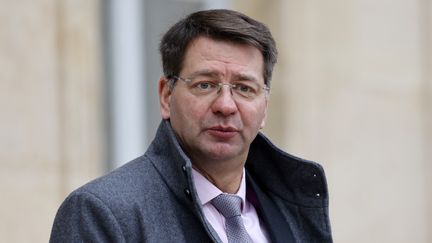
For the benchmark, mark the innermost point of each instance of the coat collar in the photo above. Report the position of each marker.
(171, 162)
(297, 181)
(175, 167)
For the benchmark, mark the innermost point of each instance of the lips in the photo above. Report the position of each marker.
(222, 132)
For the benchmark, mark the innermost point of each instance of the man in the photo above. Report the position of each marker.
(208, 158)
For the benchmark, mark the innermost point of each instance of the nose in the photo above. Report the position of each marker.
(224, 103)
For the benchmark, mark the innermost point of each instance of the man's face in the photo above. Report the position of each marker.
(222, 126)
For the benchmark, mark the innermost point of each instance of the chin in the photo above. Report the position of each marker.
(223, 153)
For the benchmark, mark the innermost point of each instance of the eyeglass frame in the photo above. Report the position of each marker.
(171, 79)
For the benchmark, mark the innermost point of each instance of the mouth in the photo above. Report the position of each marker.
(222, 132)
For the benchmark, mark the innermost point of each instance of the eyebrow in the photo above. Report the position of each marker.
(204, 72)
(212, 73)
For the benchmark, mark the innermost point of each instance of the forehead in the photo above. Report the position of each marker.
(222, 57)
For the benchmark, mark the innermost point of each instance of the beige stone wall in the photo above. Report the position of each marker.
(426, 30)
(352, 90)
(51, 110)
(354, 93)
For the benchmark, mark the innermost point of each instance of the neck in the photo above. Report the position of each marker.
(225, 175)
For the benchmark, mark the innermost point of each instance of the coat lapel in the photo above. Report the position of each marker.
(278, 229)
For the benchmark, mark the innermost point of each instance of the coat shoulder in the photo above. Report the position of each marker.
(132, 181)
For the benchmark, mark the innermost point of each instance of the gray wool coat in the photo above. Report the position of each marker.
(153, 199)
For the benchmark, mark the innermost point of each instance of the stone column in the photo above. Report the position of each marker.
(51, 133)
(426, 30)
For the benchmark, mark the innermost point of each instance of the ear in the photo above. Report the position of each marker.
(265, 112)
(164, 98)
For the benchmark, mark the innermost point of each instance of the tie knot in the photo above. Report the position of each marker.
(228, 205)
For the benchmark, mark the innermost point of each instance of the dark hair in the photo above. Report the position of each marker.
(218, 24)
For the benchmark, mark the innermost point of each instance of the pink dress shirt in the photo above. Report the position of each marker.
(207, 191)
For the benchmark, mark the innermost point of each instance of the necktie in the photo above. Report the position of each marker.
(229, 206)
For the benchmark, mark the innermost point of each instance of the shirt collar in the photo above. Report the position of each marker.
(207, 191)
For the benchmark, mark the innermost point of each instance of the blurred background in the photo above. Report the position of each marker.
(352, 90)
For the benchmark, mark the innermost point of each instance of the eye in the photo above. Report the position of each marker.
(204, 85)
(245, 89)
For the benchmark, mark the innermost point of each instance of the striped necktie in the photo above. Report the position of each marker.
(230, 207)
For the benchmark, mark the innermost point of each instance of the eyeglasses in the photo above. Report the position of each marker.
(200, 86)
